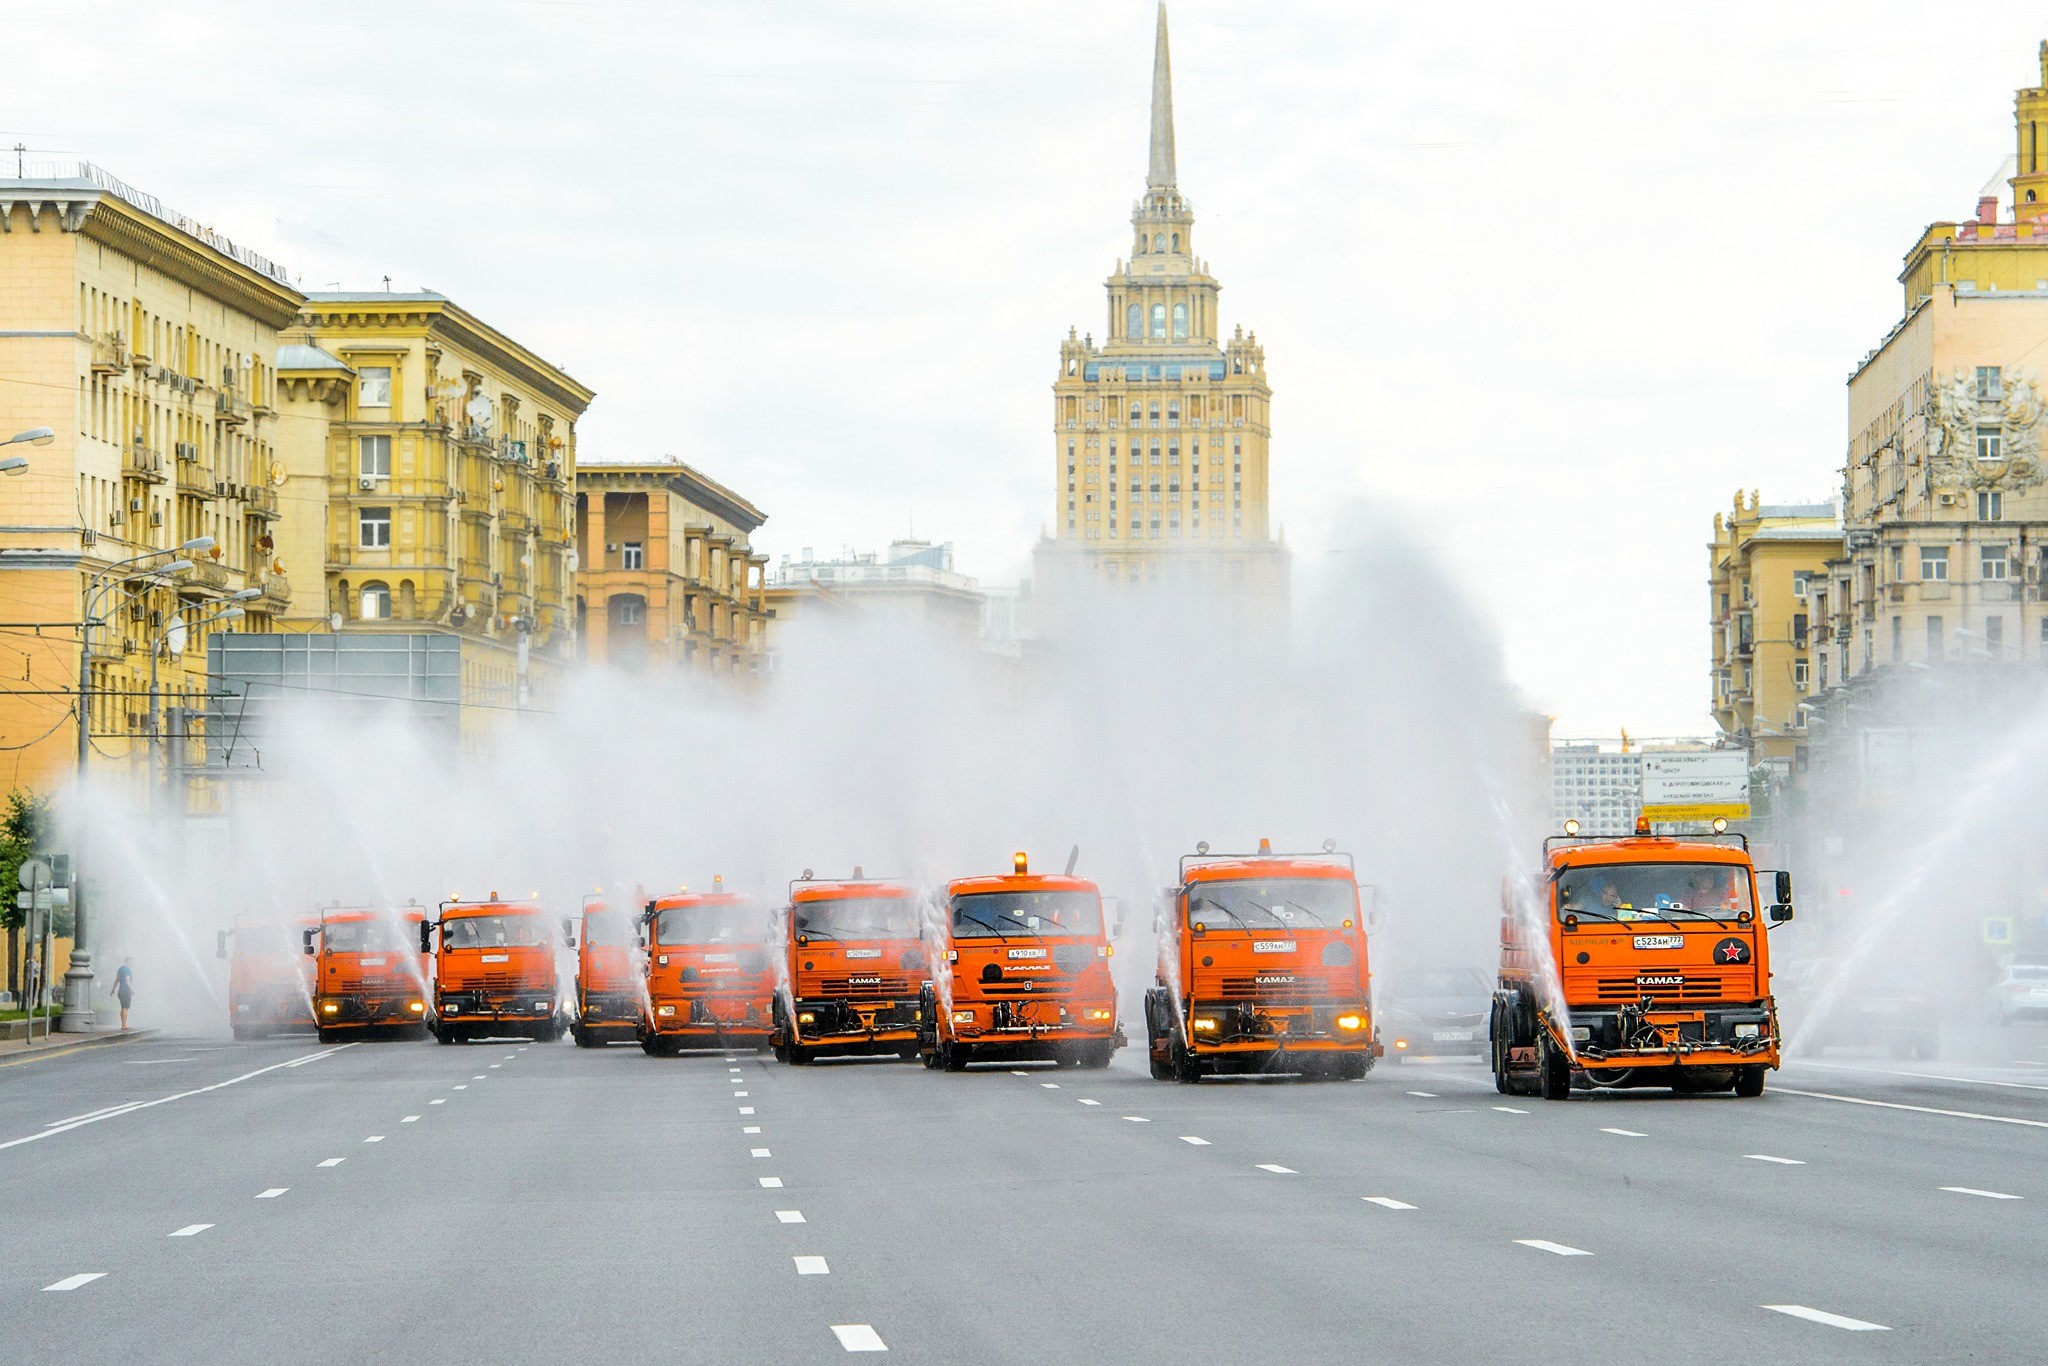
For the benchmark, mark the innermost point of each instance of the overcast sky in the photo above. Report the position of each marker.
(1549, 282)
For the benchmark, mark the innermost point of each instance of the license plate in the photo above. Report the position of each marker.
(1027, 953)
(1660, 941)
(720, 957)
(373, 962)
(863, 953)
(1272, 946)
(497, 958)
(1452, 1036)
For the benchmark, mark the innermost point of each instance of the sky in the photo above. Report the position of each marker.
(1543, 285)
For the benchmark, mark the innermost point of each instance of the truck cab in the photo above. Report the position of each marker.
(1638, 961)
(368, 972)
(609, 1002)
(1263, 967)
(494, 971)
(851, 967)
(270, 982)
(1020, 971)
(710, 972)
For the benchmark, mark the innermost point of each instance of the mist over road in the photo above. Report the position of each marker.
(526, 1202)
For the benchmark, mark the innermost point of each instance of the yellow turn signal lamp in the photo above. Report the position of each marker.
(1023, 865)
(1571, 827)
(717, 881)
(1350, 1022)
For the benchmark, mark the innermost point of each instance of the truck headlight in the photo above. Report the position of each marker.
(542, 1005)
(450, 1008)
(963, 1017)
(1747, 1031)
(330, 1008)
(1350, 1022)
(1205, 1025)
(664, 1010)
(1100, 1014)
(418, 1007)
(806, 1017)
(1582, 1034)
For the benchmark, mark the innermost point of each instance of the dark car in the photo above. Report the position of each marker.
(1435, 1011)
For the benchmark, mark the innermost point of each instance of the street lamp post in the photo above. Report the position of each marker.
(156, 646)
(78, 978)
(34, 436)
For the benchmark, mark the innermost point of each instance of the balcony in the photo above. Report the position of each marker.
(196, 480)
(261, 503)
(140, 462)
(109, 354)
(1933, 590)
(230, 408)
(2000, 590)
(203, 579)
(277, 594)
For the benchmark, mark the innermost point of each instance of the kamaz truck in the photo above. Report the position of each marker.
(851, 969)
(609, 1002)
(1639, 961)
(494, 971)
(710, 972)
(369, 974)
(270, 982)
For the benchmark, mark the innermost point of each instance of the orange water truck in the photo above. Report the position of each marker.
(1263, 967)
(1642, 960)
(852, 966)
(368, 972)
(494, 971)
(608, 997)
(1020, 972)
(270, 982)
(710, 972)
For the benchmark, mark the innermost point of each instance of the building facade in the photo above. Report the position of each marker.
(1161, 432)
(913, 581)
(428, 467)
(1766, 564)
(148, 343)
(666, 578)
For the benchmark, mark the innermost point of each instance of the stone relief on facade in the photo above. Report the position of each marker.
(1955, 416)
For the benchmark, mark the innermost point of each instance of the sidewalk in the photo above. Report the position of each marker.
(15, 1051)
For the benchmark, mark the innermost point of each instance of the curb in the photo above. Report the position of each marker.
(14, 1057)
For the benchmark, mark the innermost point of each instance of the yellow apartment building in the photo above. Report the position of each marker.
(428, 466)
(1765, 563)
(147, 343)
(666, 578)
(1161, 432)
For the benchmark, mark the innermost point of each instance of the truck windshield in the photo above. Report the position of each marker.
(606, 930)
(364, 936)
(261, 941)
(856, 917)
(494, 932)
(710, 925)
(1272, 903)
(991, 915)
(1654, 891)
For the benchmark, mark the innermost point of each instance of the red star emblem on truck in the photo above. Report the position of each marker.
(1732, 950)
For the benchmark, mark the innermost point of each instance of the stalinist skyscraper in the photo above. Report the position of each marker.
(1160, 433)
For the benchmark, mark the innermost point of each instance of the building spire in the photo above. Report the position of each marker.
(1159, 173)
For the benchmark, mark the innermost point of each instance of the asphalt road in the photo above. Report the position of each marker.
(519, 1202)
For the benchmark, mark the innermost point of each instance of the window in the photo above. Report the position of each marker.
(1132, 325)
(1180, 322)
(374, 455)
(1898, 641)
(1173, 413)
(1991, 562)
(1990, 505)
(1155, 414)
(373, 386)
(1989, 383)
(1799, 629)
(1933, 564)
(1802, 582)
(1990, 444)
(1159, 241)
(1934, 638)
(373, 528)
(632, 612)
(1799, 674)
(1159, 322)
(375, 602)
(1994, 634)
(1898, 564)
(633, 555)
(1176, 241)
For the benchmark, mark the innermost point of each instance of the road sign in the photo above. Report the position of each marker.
(1696, 785)
(34, 873)
(1998, 929)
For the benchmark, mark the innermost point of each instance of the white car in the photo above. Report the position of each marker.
(2022, 994)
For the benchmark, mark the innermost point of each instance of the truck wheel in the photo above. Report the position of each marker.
(956, 1056)
(1354, 1066)
(1186, 1070)
(1749, 1082)
(1556, 1069)
(798, 1055)
(584, 1038)
(1096, 1056)
(327, 1035)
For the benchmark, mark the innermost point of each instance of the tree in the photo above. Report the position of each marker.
(24, 833)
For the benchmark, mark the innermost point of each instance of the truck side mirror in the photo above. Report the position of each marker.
(1781, 912)
(306, 938)
(426, 936)
(568, 933)
(1371, 897)
(1116, 925)
(220, 944)
(1785, 889)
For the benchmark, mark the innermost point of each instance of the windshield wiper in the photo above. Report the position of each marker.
(977, 920)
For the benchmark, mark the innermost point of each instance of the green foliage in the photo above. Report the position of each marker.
(24, 833)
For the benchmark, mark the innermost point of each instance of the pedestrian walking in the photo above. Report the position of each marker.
(124, 988)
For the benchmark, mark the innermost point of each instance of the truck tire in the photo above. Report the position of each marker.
(444, 1034)
(1749, 1081)
(327, 1035)
(584, 1037)
(953, 1057)
(1096, 1056)
(1186, 1069)
(1555, 1068)
(799, 1055)
(1354, 1066)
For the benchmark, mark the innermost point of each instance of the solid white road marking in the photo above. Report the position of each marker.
(1781, 1161)
(1278, 1169)
(761, 1152)
(87, 1277)
(858, 1337)
(1426, 1095)
(1198, 1142)
(746, 1109)
(1924, 1076)
(1624, 1133)
(1800, 1311)
(1091, 1102)
(189, 1231)
(1988, 1195)
(811, 1266)
(790, 1216)
(1510, 1110)
(410, 1119)
(334, 1162)
(272, 1193)
(1386, 1202)
(1916, 1109)
(65, 1126)
(750, 1128)
(771, 1183)
(1545, 1245)
(94, 1114)
(1137, 1119)
(374, 1138)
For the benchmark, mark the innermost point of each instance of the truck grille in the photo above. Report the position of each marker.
(1693, 986)
(1305, 988)
(876, 984)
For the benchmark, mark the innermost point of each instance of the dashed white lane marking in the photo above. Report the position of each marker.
(1386, 1202)
(189, 1231)
(272, 1193)
(1198, 1142)
(732, 1069)
(790, 1216)
(494, 1067)
(811, 1266)
(442, 1101)
(480, 1077)
(1988, 1195)
(746, 1109)
(1276, 1168)
(762, 1152)
(1050, 1085)
(65, 1126)
(858, 1337)
(334, 1162)
(1426, 1095)
(410, 1119)
(374, 1138)
(738, 1094)
(463, 1087)
(88, 1277)
(1020, 1074)
(1800, 1311)
(1624, 1133)
(771, 1183)
(1510, 1110)
(750, 1128)
(1916, 1109)
(1545, 1245)
(1137, 1119)
(1091, 1102)
(1781, 1161)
